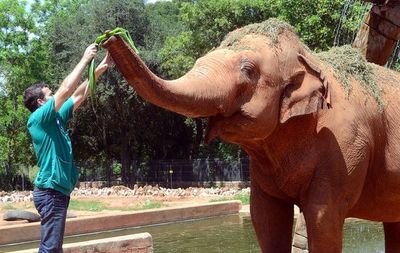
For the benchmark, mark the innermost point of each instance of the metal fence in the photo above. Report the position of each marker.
(198, 170)
(16, 176)
(167, 172)
(170, 173)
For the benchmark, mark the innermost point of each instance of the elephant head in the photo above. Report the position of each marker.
(259, 77)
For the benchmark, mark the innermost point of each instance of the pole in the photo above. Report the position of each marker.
(170, 175)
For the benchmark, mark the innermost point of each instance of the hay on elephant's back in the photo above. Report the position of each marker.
(349, 63)
(270, 28)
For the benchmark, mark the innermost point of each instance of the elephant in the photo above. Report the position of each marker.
(321, 130)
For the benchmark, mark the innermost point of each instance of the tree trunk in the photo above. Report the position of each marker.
(197, 138)
(125, 162)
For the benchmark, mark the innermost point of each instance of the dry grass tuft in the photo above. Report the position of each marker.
(348, 63)
(270, 28)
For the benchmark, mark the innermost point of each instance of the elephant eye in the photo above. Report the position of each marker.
(249, 69)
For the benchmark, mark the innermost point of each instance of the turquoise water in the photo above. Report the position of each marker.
(232, 233)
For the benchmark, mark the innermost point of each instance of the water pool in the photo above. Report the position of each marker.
(233, 233)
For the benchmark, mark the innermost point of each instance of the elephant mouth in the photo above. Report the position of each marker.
(214, 128)
(211, 132)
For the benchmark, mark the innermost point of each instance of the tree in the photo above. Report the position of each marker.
(164, 21)
(22, 62)
(207, 24)
(316, 21)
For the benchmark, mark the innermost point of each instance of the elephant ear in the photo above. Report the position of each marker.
(306, 92)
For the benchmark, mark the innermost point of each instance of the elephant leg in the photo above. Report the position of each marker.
(392, 237)
(324, 214)
(324, 230)
(272, 220)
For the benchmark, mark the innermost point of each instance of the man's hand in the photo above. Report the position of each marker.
(89, 53)
(82, 92)
(69, 84)
(105, 63)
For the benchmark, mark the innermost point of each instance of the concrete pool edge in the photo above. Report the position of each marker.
(75, 226)
(135, 243)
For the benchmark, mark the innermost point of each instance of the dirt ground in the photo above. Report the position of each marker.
(112, 202)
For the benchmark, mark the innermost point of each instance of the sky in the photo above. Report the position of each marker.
(153, 1)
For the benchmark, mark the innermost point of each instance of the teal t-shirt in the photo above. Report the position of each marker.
(52, 147)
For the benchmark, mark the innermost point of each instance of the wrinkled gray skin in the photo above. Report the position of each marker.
(310, 144)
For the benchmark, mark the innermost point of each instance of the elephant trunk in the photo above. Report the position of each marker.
(189, 95)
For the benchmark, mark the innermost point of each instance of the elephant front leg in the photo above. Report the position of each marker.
(324, 223)
(392, 237)
(272, 220)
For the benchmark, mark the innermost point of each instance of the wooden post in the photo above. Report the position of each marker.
(380, 31)
(376, 1)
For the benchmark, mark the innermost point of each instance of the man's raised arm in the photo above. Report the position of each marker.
(82, 91)
(69, 84)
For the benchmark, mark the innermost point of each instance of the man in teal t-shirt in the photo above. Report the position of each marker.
(47, 125)
(52, 146)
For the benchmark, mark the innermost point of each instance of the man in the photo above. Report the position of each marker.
(47, 125)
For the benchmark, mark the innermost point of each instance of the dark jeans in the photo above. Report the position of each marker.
(52, 207)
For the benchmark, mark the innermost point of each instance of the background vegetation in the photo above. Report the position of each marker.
(41, 41)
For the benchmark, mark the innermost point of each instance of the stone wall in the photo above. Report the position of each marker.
(136, 243)
(106, 222)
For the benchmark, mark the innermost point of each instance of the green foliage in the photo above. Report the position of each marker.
(85, 205)
(164, 22)
(207, 23)
(174, 55)
(23, 60)
(8, 207)
(14, 142)
(148, 204)
(397, 66)
(17, 206)
(22, 55)
(116, 168)
(97, 206)
(211, 20)
(316, 20)
(243, 197)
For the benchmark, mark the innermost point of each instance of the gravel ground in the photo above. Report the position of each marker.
(122, 191)
(120, 197)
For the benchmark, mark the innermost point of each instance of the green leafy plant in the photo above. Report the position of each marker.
(124, 34)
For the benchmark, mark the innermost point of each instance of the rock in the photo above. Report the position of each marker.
(147, 190)
(71, 215)
(21, 215)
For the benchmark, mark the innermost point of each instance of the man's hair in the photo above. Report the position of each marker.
(32, 94)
